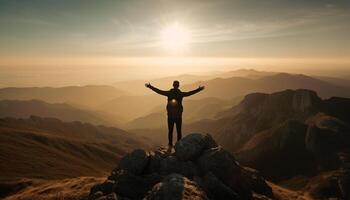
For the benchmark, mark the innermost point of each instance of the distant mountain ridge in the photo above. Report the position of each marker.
(238, 86)
(115, 104)
(135, 86)
(196, 109)
(89, 96)
(224, 89)
(62, 111)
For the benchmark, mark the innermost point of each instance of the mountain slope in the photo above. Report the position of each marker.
(90, 96)
(64, 112)
(196, 109)
(258, 112)
(238, 86)
(221, 88)
(28, 146)
(131, 107)
(285, 134)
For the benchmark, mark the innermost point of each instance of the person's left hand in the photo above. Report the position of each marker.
(148, 85)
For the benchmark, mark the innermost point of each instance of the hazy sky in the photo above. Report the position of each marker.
(75, 35)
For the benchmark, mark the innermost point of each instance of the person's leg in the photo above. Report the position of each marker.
(178, 128)
(170, 130)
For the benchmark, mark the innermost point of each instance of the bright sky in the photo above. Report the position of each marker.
(155, 36)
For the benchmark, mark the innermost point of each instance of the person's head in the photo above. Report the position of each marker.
(176, 84)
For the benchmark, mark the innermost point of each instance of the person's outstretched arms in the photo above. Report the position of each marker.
(186, 94)
(161, 92)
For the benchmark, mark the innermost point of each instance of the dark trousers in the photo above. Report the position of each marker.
(171, 122)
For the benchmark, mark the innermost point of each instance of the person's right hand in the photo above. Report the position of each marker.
(201, 87)
(148, 85)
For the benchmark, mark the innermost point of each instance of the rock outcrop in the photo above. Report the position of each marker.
(198, 169)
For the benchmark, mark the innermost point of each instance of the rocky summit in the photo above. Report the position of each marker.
(198, 169)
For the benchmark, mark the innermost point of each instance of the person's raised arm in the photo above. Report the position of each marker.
(186, 94)
(161, 92)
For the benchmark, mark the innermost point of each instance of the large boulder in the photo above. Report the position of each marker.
(171, 165)
(214, 188)
(134, 162)
(133, 186)
(111, 196)
(256, 182)
(344, 183)
(155, 159)
(176, 187)
(193, 145)
(105, 188)
(224, 166)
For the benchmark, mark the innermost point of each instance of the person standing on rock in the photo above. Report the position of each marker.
(174, 107)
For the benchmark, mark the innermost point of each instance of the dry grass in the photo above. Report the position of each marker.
(286, 194)
(67, 189)
(41, 148)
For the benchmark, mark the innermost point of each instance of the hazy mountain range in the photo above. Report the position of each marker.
(109, 105)
(89, 96)
(65, 112)
(293, 128)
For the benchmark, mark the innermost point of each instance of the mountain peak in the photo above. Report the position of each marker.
(288, 101)
(198, 169)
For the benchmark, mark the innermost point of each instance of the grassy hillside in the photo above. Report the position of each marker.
(51, 149)
(28, 189)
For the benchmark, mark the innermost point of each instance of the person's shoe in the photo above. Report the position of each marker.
(170, 147)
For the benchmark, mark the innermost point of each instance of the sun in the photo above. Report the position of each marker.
(175, 37)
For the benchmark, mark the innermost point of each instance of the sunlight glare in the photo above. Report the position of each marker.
(175, 37)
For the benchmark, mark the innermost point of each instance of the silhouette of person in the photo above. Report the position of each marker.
(174, 107)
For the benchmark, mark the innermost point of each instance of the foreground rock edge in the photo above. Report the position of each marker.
(198, 169)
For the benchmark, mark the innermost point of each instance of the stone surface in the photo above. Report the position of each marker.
(105, 187)
(214, 188)
(111, 196)
(193, 145)
(208, 172)
(344, 184)
(135, 187)
(224, 166)
(155, 159)
(256, 182)
(134, 162)
(176, 187)
(172, 165)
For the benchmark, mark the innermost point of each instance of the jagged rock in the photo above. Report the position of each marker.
(214, 188)
(105, 187)
(193, 145)
(133, 186)
(280, 103)
(111, 196)
(344, 184)
(134, 162)
(256, 182)
(172, 165)
(95, 195)
(176, 187)
(260, 197)
(224, 166)
(208, 171)
(155, 159)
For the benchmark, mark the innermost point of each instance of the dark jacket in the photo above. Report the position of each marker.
(174, 106)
